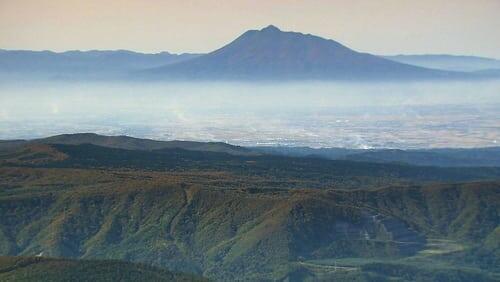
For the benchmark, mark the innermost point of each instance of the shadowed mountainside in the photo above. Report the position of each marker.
(49, 269)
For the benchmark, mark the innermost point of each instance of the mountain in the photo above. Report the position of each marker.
(81, 64)
(266, 54)
(448, 62)
(271, 54)
(55, 270)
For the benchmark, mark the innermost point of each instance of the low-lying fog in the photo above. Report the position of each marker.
(395, 115)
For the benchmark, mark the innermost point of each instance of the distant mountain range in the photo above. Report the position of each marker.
(266, 54)
(81, 64)
(449, 62)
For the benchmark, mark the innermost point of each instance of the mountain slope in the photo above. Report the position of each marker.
(251, 218)
(50, 269)
(273, 54)
(194, 223)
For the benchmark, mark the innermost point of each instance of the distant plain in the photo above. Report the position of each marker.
(316, 114)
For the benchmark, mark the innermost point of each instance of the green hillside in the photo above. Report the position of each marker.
(53, 270)
(250, 218)
(223, 227)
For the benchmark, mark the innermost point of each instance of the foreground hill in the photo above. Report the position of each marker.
(272, 54)
(253, 218)
(48, 269)
(228, 227)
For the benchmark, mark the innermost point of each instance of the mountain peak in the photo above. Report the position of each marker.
(271, 28)
(270, 53)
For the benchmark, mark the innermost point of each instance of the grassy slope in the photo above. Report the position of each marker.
(47, 269)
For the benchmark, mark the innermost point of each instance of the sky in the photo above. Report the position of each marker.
(384, 27)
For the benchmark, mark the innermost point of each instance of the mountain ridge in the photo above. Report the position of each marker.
(448, 62)
(129, 143)
(440, 157)
(451, 157)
